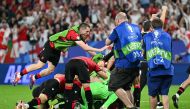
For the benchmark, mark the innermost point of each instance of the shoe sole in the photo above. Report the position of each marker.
(175, 103)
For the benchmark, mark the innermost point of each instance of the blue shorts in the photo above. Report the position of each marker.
(159, 85)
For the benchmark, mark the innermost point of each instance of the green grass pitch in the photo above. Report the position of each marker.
(9, 95)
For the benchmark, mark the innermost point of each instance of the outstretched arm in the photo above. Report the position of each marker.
(89, 48)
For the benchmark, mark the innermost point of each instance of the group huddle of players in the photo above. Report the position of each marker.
(53, 89)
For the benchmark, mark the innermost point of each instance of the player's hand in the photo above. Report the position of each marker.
(103, 48)
(164, 8)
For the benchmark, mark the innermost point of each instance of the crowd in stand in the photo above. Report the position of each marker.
(27, 24)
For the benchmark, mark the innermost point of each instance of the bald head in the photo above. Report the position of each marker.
(120, 17)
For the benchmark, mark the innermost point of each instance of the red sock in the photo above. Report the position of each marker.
(180, 90)
(23, 72)
(37, 76)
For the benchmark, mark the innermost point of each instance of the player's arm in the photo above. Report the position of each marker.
(108, 41)
(111, 38)
(110, 62)
(89, 48)
(163, 14)
(101, 70)
(108, 56)
(109, 59)
(102, 73)
(92, 53)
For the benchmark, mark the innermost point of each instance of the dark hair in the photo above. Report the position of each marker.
(146, 25)
(157, 23)
(83, 26)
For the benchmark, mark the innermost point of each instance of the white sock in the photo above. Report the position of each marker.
(177, 95)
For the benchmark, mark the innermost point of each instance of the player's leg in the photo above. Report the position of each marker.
(52, 56)
(33, 67)
(77, 85)
(37, 101)
(143, 74)
(46, 91)
(111, 99)
(43, 58)
(84, 77)
(84, 104)
(25, 71)
(69, 76)
(102, 94)
(137, 91)
(181, 89)
(159, 103)
(88, 94)
(123, 96)
(42, 73)
(94, 86)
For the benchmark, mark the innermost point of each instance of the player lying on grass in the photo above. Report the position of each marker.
(47, 91)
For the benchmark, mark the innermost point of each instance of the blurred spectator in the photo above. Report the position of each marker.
(15, 44)
(145, 3)
(4, 37)
(83, 9)
(185, 20)
(29, 20)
